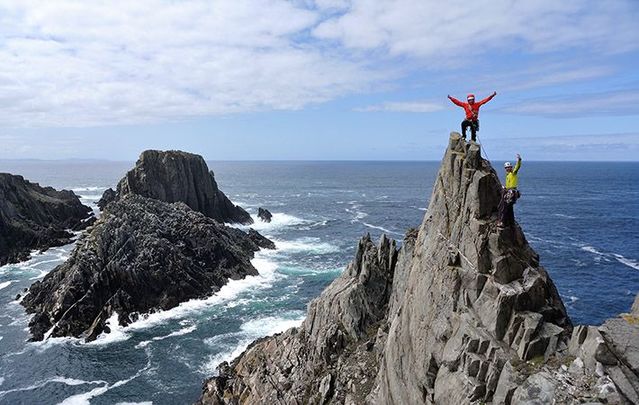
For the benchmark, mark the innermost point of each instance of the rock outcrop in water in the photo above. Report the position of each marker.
(175, 176)
(34, 217)
(159, 242)
(264, 214)
(108, 196)
(461, 313)
(141, 255)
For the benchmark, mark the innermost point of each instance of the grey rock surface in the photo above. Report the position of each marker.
(108, 196)
(141, 255)
(175, 176)
(331, 357)
(462, 313)
(34, 217)
(260, 240)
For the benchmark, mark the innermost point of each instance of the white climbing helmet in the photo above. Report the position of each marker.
(507, 165)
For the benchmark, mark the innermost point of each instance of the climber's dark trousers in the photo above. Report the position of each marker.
(506, 211)
(474, 127)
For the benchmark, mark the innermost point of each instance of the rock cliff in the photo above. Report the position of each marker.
(461, 313)
(141, 255)
(34, 217)
(174, 176)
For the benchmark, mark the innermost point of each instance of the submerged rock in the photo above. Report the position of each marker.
(264, 214)
(34, 217)
(175, 176)
(463, 313)
(141, 255)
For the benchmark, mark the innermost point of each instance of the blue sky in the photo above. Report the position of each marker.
(323, 79)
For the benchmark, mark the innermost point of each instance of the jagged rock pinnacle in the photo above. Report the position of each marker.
(433, 322)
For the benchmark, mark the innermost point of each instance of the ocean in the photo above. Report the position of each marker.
(582, 219)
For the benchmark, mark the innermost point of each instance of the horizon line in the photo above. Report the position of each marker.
(97, 160)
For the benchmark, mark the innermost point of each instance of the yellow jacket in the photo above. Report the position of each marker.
(511, 178)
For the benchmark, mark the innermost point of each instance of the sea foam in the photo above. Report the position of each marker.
(230, 291)
(249, 332)
(307, 244)
(279, 220)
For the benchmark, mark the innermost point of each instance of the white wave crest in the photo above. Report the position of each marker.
(57, 379)
(628, 262)
(6, 284)
(307, 244)
(85, 189)
(85, 397)
(228, 292)
(117, 333)
(89, 197)
(181, 332)
(608, 256)
(564, 216)
(249, 331)
(388, 231)
(279, 220)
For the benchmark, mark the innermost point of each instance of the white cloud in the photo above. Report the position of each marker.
(72, 63)
(87, 63)
(552, 75)
(463, 28)
(600, 147)
(408, 106)
(609, 103)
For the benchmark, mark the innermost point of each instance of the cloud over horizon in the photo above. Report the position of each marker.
(76, 64)
(404, 106)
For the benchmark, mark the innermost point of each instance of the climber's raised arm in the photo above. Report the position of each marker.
(517, 165)
(487, 99)
(455, 101)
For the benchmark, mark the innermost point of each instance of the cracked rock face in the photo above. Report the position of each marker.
(331, 357)
(35, 217)
(457, 321)
(141, 255)
(462, 313)
(175, 176)
(432, 322)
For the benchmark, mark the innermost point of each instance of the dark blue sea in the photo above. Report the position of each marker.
(582, 218)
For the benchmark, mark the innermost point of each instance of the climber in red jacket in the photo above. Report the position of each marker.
(472, 113)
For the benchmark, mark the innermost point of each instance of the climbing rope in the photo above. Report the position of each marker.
(483, 148)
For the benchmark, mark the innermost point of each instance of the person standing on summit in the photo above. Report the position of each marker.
(472, 113)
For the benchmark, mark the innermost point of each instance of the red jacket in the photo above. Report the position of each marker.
(472, 110)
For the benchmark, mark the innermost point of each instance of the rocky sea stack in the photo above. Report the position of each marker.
(34, 217)
(264, 214)
(143, 254)
(461, 313)
(176, 176)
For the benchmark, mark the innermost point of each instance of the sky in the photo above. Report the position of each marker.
(317, 79)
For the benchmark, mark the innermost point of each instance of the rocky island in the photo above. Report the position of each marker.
(176, 176)
(36, 218)
(146, 252)
(462, 312)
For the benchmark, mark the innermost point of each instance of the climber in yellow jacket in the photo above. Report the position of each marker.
(509, 194)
